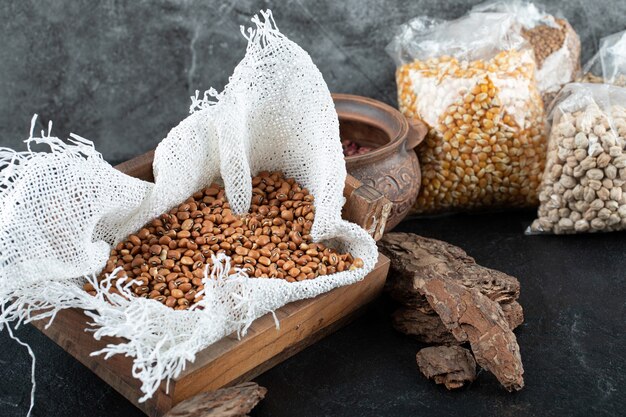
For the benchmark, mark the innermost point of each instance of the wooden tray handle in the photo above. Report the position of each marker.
(364, 206)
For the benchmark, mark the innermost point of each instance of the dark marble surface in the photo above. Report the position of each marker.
(121, 72)
(573, 344)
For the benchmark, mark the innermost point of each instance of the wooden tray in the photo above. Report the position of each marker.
(231, 360)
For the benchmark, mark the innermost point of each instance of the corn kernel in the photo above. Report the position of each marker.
(484, 154)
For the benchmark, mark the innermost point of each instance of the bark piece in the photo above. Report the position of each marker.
(235, 401)
(437, 271)
(471, 316)
(426, 328)
(447, 261)
(452, 366)
(514, 314)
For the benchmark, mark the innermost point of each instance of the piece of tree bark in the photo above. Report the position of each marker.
(437, 271)
(452, 366)
(471, 316)
(449, 262)
(235, 401)
(428, 328)
(514, 314)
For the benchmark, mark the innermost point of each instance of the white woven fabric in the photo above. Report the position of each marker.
(61, 211)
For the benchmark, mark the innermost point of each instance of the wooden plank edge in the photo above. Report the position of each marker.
(109, 370)
(303, 344)
(300, 323)
(112, 370)
(266, 322)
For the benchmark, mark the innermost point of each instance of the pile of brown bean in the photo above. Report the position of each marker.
(169, 255)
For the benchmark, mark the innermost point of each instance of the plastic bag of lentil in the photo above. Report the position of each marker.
(63, 211)
(554, 41)
(472, 81)
(584, 185)
(608, 65)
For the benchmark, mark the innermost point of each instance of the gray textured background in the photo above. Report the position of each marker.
(121, 72)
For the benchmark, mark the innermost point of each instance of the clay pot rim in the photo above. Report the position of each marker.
(364, 110)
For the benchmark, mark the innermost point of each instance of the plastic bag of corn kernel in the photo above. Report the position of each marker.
(584, 185)
(63, 211)
(472, 81)
(608, 65)
(554, 41)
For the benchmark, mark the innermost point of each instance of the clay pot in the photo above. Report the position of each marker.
(392, 168)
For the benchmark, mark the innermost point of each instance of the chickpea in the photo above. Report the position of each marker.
(593, 200)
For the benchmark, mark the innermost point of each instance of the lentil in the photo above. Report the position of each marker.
(547, 40)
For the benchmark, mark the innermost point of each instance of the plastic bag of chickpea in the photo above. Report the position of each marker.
(608, 65)
(584, 185)
(554, 41)
(472, 81)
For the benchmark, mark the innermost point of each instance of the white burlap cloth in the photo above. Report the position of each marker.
(61, 211)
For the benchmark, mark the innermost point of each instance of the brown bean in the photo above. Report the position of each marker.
(170, 301)
(170, 254)
(287, 215)
(141, 290)
(137, 262)
(240, 250)
(263, 240)
(186, 225)
(296, 238)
